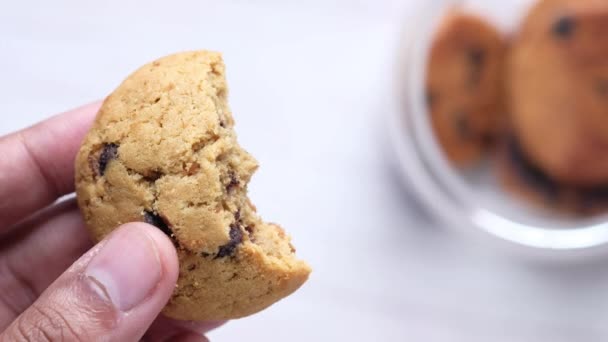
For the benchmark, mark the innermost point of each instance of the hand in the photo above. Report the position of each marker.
(48, 291)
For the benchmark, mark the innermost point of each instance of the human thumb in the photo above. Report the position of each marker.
(112, 293)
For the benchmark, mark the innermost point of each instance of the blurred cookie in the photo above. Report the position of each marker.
(558, 90)
(163, 150)
(520, 176)
(464, 86)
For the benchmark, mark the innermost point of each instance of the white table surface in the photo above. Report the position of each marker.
(309, 84)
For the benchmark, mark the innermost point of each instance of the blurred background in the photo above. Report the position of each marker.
(311, 88)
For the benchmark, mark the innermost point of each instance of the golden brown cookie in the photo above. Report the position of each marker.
(163, 150)
(520, 176)
(464, 86)
(558, 89)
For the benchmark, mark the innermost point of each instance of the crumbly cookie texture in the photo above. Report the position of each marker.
(464, 86)
(558, 89)
(163, 151)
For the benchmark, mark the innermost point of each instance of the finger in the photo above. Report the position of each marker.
(187, 337)
(113, 293)
(37, 164)
(164, 329)
(36, 253)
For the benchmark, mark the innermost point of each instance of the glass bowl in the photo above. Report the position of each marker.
(472, 201)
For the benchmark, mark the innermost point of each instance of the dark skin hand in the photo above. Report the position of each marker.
(54, 283)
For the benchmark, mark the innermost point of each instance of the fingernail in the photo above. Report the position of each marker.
(126, 269)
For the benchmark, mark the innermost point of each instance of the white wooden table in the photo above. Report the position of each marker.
(309, 84)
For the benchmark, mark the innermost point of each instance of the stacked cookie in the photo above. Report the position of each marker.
(553, 143)
(464, 86)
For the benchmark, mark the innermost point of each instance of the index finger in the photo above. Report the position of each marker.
(37, 163)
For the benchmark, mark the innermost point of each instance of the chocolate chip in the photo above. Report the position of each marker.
(590, 199)
(158, 222)
(191, 267)
(108, 153)
(152, 176)
(222, 123)
(463, 126)
(487, 139)
(530, 173)
(602, 87)
(234, 181)
(431, 98)
(586, 197)
(236, 237)
(237, 216)
(564, 27)
(599, 193)
(476, 58)
(192, 169)
(250, 230)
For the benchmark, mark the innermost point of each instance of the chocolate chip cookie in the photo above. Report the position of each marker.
(519, 174)
(163, 150)
(558, 90)
(464, 86)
